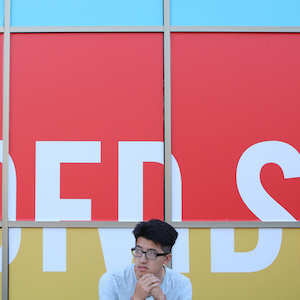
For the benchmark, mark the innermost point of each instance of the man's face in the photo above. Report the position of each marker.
(145, 266)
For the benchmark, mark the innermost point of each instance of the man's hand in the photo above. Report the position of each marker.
(157, 293)
(148, 285)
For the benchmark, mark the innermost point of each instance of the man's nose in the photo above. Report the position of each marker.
(143, 257)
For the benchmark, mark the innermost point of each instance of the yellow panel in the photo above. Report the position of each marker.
(85, 265)
(245, 241)
(278, 281)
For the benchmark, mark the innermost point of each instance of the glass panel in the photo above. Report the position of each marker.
(86, 13)
(83, 256)
(235, 12)
(91, 105)
(55, 262)
(1, 263)
(1, 119)
(271, 280)
(1, 12)
(235, 124)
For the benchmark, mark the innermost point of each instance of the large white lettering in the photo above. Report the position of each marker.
(223, 257)
(248, 177)
(225, 260)
(49, 206)
(181, 251)
(54, 249)
(115, 257)
(49, 156)
(176, 183)
(132, 155)
(14, 233)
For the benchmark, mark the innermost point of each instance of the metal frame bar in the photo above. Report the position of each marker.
(235, 224)
(32, 29)
(167, 113)
(115, 224)
(70, 224)
(235, 29)
(166, 29)
(6, 85)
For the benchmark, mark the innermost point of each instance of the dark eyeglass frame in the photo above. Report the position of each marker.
(145, 252)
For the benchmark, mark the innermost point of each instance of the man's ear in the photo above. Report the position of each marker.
(167, 259)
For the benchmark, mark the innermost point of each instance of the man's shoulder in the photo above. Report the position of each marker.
(176, 284)
(117, 281)
(176, 278)
(175, 274)
(119, 272)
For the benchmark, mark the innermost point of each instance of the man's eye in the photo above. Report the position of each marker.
(138, 250)
(152, 253)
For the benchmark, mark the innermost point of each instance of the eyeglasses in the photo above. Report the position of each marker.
(149, 254)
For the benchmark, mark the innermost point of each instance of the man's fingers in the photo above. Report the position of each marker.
(154, 285)
(149, 277)
(150, 281)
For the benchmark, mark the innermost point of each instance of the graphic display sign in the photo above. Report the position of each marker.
(1, 119)
(86, 144)
(235, 123)
(87, 257)
(86, 126)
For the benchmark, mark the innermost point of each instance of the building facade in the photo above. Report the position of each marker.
(116, 111)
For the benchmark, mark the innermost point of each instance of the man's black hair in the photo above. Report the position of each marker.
(157, 231)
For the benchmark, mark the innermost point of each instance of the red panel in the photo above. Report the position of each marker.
(153, 189)
(230, 91)
(1, 114)
(104, 87)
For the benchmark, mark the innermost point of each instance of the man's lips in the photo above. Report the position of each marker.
(142, 268)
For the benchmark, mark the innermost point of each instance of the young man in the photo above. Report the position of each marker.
(148, 277)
